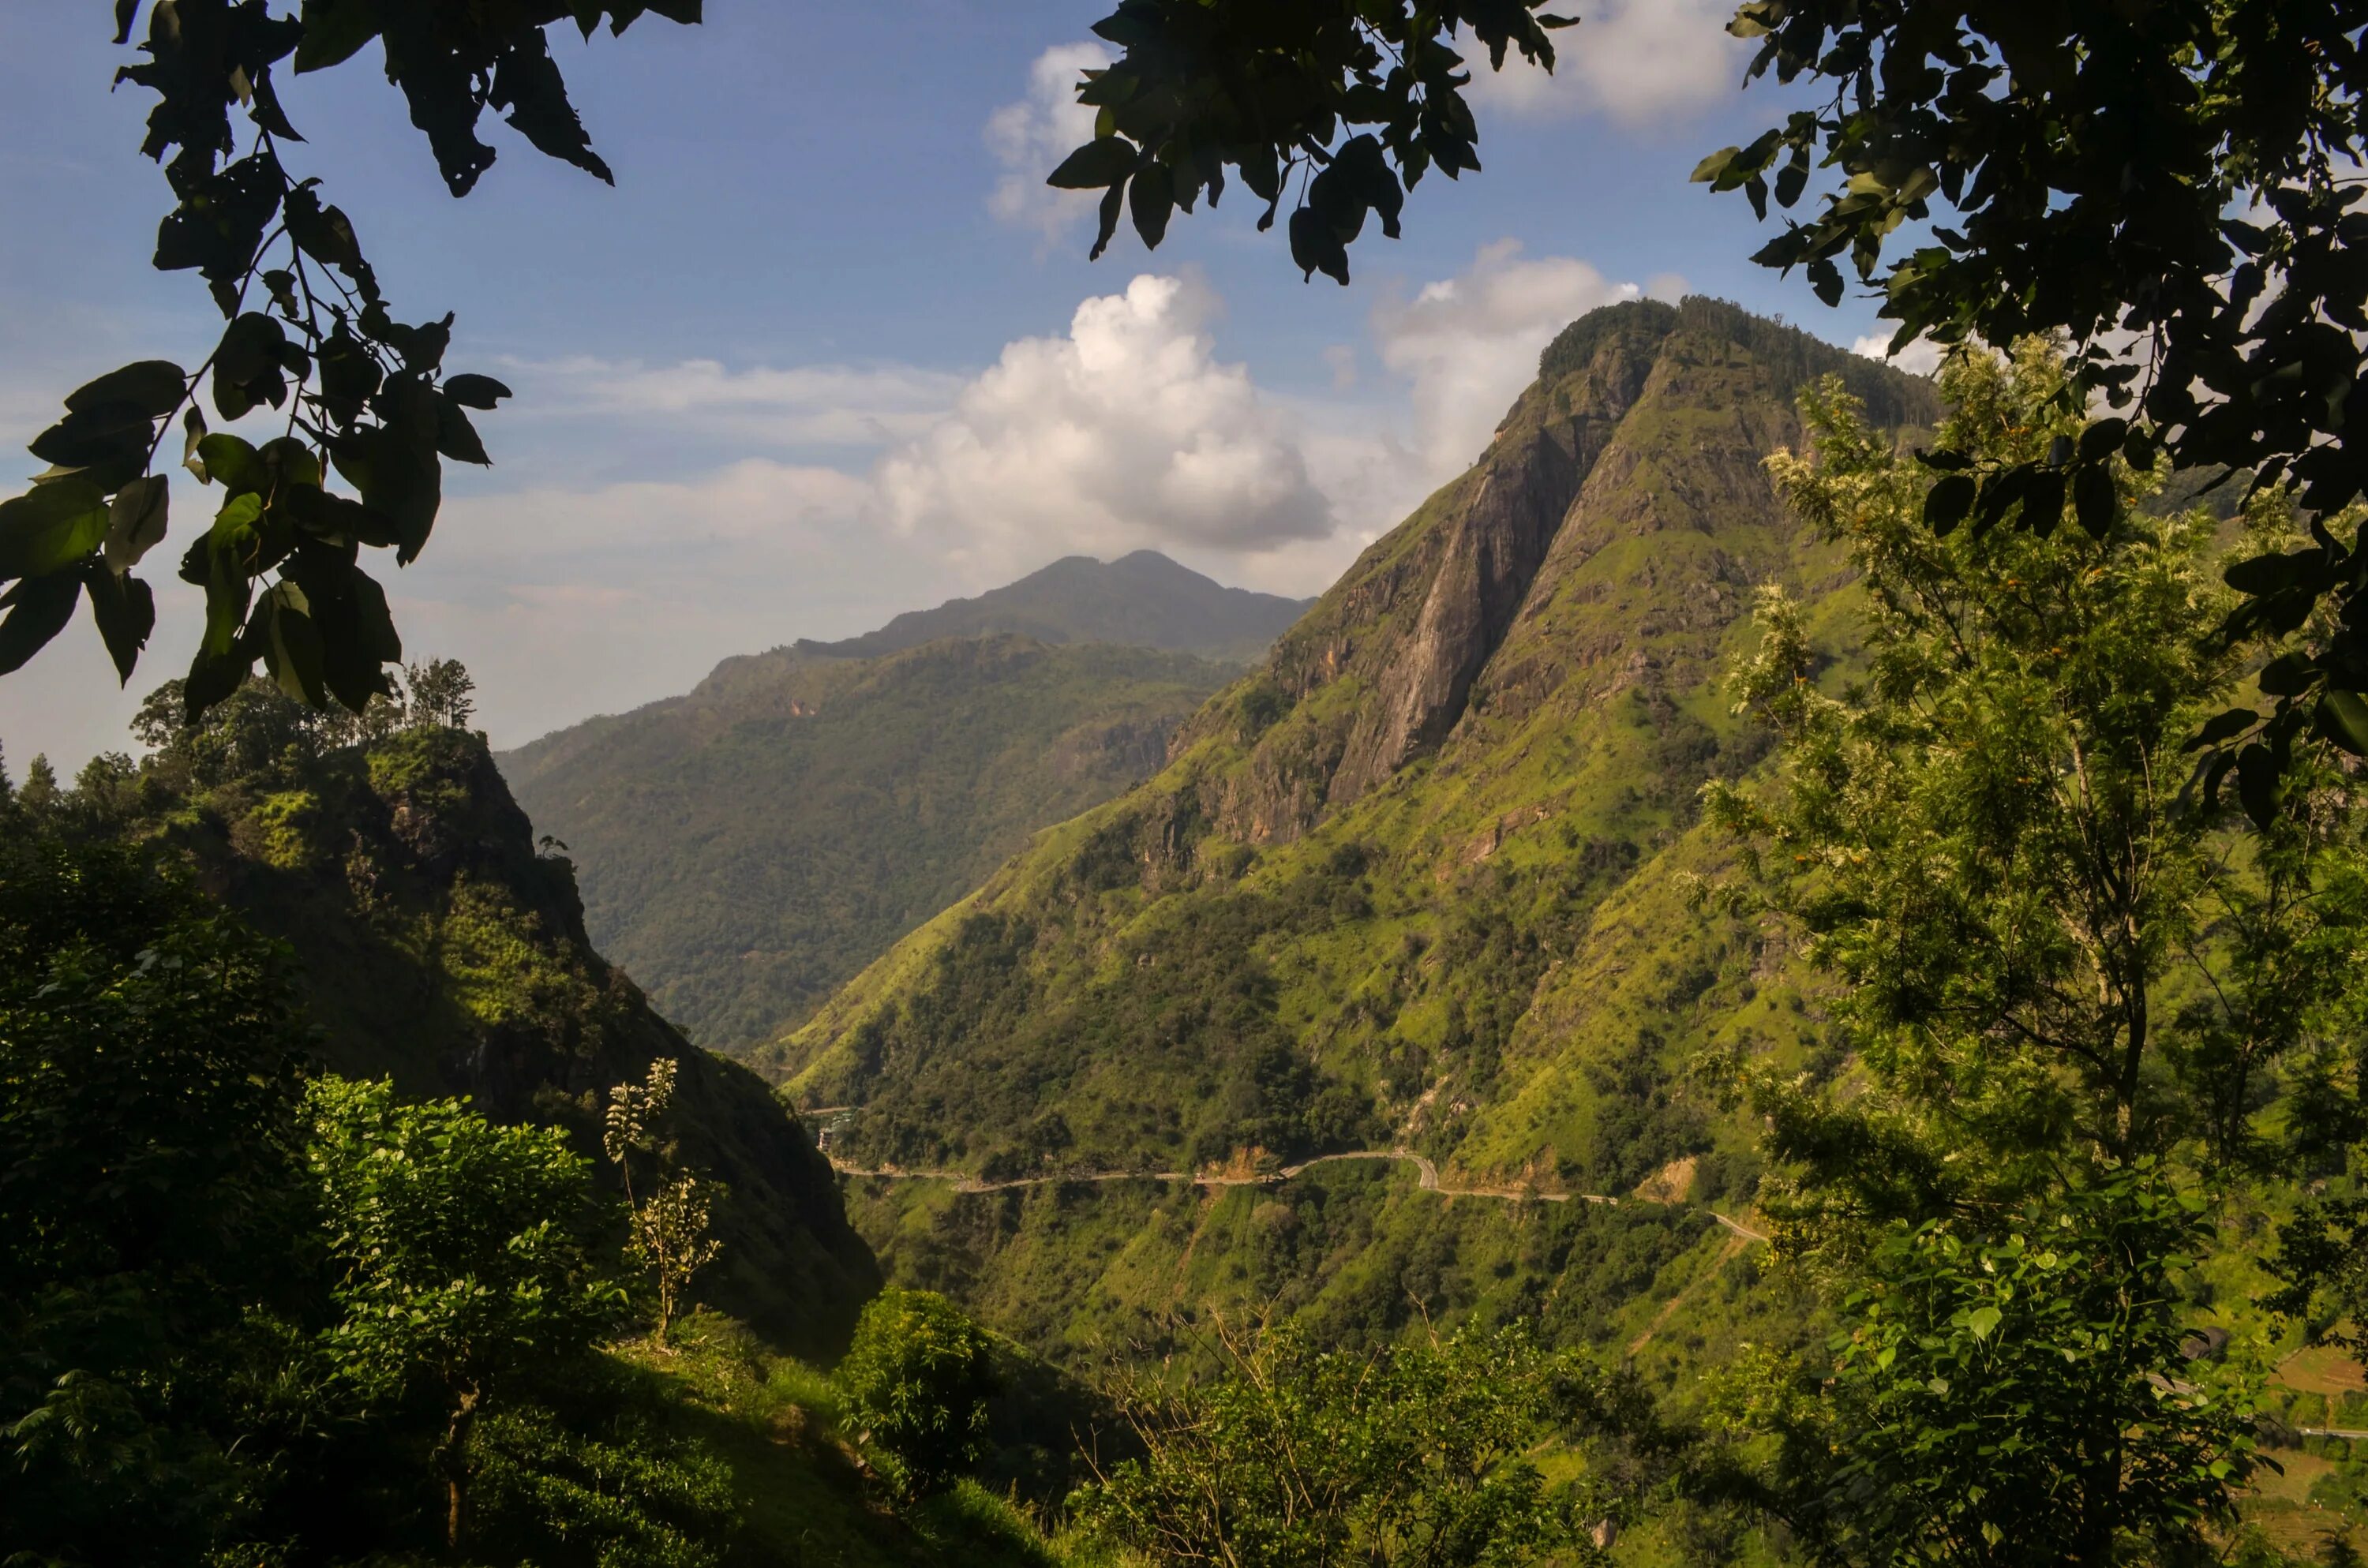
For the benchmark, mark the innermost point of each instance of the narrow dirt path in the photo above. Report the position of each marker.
(1426, 1174)
(1726, 1254)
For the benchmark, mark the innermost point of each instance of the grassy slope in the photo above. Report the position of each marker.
(748, 847)
(797, 1477)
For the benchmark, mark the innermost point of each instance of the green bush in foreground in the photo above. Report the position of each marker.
(917, 1380)
(1294, 1458)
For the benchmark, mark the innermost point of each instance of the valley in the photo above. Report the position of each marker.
(1387, 999)
(1367, 996)
(759, 811)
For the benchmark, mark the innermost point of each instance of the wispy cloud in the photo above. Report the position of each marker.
(1467, 344)
(805, 405)
(1030, 137)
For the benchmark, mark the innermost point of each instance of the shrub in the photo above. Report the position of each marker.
(916, 1379)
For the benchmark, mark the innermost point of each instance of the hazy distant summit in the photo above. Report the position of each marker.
(746, 848)
(1142, 601)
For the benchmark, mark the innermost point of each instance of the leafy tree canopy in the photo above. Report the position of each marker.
(2075, 991)
(150, 1067)
(309, 329)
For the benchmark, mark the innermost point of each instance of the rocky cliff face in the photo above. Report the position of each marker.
(1646, 420)
(1461, 782)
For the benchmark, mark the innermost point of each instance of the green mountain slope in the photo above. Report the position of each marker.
(1142, 601)
(434, 945)
(1421, 878)
(746, 848)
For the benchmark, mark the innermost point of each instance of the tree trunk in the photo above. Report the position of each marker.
(453, 1459)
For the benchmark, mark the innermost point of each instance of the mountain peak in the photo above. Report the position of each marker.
(1143, 600)
(1417, 881)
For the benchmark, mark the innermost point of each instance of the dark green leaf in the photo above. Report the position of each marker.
(2342, 718)
(39, 608)
(1103, 162)
(1715, 165)
(50, 527)
(1112, 205)
(476, 392)
(2094, 499)
(357, 638)
(2257, 784)
(125, 611)
(249, 349)
(1948, 501)
(2104, 439)
(1315, 245)
(455, 436)
(214, 676)
(1150, 199)
(232, 463)
(135, 520)
(1998, 494)
(1826, 278)
(2224, 727)
(335, 32)
(526, 83)
(100, 434)
(2042, 501)
(2289, 675)
(223, 556)
(291, 643)
(2270, 574)
(335, 517)
(324, 233)
(153, 387)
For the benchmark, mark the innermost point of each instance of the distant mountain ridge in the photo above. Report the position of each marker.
(1142, 601)
(749, 846)
(746, 848)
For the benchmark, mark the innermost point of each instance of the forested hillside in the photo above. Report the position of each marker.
(1417, 879)
(436, 945)
(746, 848)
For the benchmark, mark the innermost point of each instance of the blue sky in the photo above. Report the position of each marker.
(828, 351)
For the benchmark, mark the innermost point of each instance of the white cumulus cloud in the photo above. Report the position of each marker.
(1469, 344)
(1921, 357)
(1029, 138)
(1641, 61)
(1125, 434)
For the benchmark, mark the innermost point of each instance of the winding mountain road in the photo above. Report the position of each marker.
(1426, 1172)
